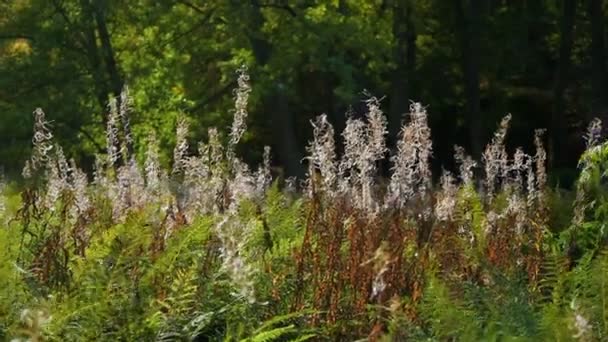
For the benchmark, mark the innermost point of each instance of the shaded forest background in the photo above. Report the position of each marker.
(470, 61)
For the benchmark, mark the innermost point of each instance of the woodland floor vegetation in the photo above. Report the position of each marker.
(212, 250)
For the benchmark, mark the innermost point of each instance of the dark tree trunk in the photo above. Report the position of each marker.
(285, 144)
(93, 54)
(276, 101)
(116, 81)
(106, 48)
(598, 59)
(405, 57)
(559, 131)
(469, 13)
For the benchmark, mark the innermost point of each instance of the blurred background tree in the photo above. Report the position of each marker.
(471, 61)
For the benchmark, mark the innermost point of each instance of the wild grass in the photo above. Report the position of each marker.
(213, 250)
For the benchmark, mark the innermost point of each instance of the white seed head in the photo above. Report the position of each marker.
(239, 124)
(322, 154)
(181, 146)
(594, 133)
(42, 142)
(411, 170)
(495, 158)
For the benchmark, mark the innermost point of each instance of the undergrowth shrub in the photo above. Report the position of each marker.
(214, 250)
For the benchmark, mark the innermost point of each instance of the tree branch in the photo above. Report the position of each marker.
(214, 97)
(16, 36)
(284, 7)
(192, 6)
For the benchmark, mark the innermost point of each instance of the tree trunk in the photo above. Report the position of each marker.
(598, 59)
(116, 81)
(469, 13)
(285, 142)
(405, 57)
(276, 102)
(95, 64)
(558, 123)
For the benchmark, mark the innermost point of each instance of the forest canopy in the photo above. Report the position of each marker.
(470, 61)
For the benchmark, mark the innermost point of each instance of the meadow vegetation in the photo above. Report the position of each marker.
(370, 245)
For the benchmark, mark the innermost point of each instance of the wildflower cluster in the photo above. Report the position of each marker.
(373, 240)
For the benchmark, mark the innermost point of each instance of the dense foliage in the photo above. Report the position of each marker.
(210, 250)
(470, 61)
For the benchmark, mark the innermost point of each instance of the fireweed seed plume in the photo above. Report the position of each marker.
(62, 163)
(234, 233)
(423, 137)
(197, 182)
(354, 145)
(377, 129)
(217, 169)
(374, 151)
(57, 178)
(42, 143)
(593, 139)
(263, 176)
(516, 206)
(130, 186)
(594, 133)
(231, 232)
(447, 197)
(239, 122)
(411, 171)
(517, 169)
(181, 146)
(100, 177)
(242, 186)
(533, 192)
(230, 182)
(291, 186)
(79, 184)
(541, 160)
(466, 165)
(152, 168)
(113, 133)
(126, 105)
(216, 151)
(495, 158)
(322, 156)
(54, 186)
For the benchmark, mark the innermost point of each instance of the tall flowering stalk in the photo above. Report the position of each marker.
(126, 105)
(181, 146)
(129, 190)
(495, 158)
(411, 171)
(364, 146)
(592, 138)
(263, 176)
(42, 144)
(152, 167)
(541, 160)
(354, 149)
(375, 149)
(445, 205)
(57, 178)
(113, 133)
(322, 156)
(79, 186)
(239, 123)
(466, 165)
(593, 134)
